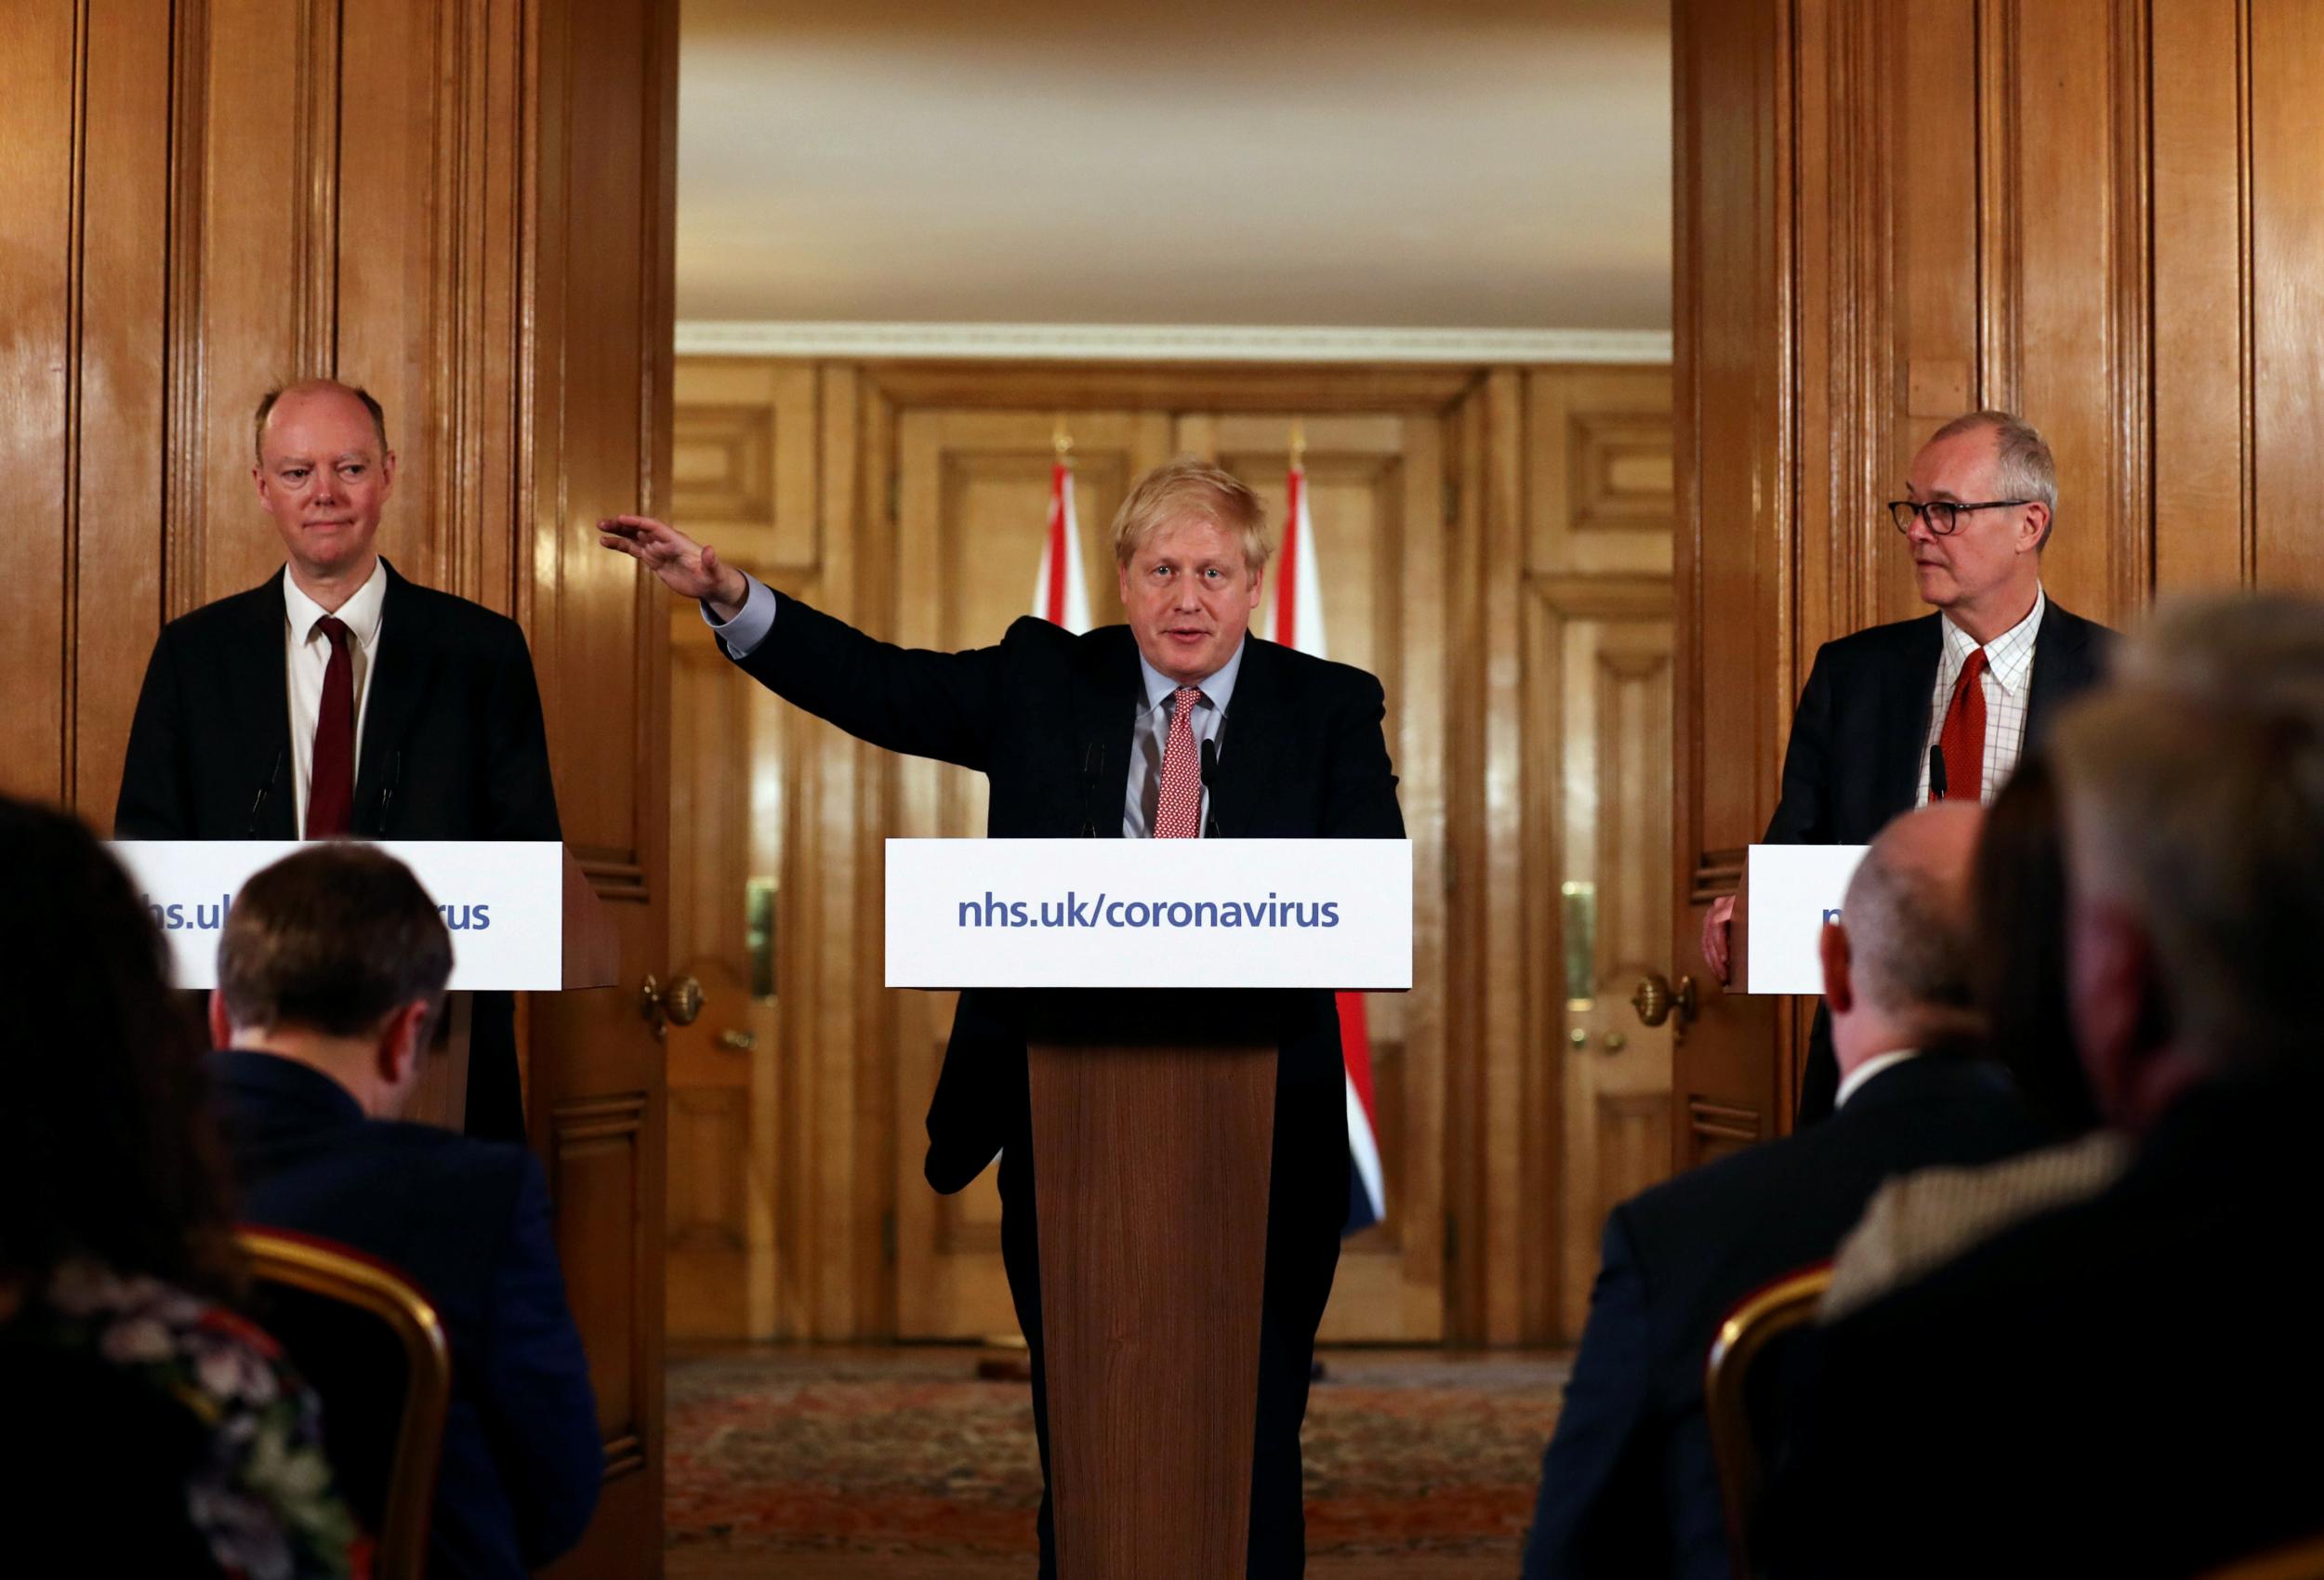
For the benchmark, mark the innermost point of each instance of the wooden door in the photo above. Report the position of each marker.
(600, 353)
(1736, 440)
(972, 507)
(1374, 486)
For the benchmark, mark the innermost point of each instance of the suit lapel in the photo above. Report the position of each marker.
(258, 681)
(405, 660)
(1250, 748)
(1909, 684)
(2061, 666)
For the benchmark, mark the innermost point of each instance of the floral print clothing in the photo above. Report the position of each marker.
(261, 1498)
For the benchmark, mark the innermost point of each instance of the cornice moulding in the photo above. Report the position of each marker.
(1158, 343)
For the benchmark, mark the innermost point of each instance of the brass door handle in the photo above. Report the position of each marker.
(675, 1005)
(1654, 999)
(738, 1042)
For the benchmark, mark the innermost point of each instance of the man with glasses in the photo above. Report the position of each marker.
(1942, 707)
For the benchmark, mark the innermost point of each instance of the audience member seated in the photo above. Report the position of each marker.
(2018, 963)
(1628, 1486)
(2127, 1386)
(148, 1430)
(331, 969)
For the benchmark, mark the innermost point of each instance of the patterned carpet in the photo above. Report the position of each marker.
(903, 1455)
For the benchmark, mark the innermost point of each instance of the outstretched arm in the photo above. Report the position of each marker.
(690, 569)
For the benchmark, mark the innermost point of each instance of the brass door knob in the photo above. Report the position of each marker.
(675, 1005)
(1654, 999)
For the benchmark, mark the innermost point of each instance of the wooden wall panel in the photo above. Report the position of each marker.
(40, 169)
(2286, 287)
(2204, 512)
(114, 488)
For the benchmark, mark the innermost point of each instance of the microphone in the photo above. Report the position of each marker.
(387, 792)
(1937, 773)
(1092, 767)
(258, 802)
(1209, 777)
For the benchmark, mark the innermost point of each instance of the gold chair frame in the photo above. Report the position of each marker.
(336, 1275)
(1782, 1307)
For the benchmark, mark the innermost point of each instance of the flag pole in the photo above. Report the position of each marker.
(1061, 440)
(1299, 441)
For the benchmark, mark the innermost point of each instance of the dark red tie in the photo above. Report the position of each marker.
(331, 792)
(1963, 738)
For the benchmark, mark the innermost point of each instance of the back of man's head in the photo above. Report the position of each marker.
(1906, 920)
(2194, 803)
(331, 941)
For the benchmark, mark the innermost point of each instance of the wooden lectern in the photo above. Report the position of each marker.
(1153, 1131)
(1151, 1050)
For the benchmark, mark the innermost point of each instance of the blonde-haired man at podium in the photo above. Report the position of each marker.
(1177, 724)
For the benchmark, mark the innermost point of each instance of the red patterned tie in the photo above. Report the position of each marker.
(1178, 811)
(1963, 738)
(331, 792)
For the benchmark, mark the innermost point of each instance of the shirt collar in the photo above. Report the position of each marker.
(361, 614)
(1870, 1068)
(2008, 657)
(1218, 686)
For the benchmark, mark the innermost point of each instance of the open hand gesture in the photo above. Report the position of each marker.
(687, 568)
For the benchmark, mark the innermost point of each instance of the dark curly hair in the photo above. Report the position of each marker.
(107, 1147)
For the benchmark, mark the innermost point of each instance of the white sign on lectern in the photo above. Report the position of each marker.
(1791, 890)
(504, 901)
(1150, 912)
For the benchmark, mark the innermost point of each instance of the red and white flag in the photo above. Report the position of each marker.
(1298, 623)
(1060, 593)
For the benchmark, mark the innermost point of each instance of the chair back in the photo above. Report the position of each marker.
(1737, 1441)
(373, 1349)
(2303, 1560)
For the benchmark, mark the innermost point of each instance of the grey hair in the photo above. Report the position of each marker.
(1909, 933)
(2023, 468)
(2194, 796)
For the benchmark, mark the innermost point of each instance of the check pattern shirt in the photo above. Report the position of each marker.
(2008, 677)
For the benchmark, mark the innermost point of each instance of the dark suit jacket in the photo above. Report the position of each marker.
(1047, 717)
(1628, 1487)
(453, 747)
(468, 1221)
(1861, 732)
(2127, 1387)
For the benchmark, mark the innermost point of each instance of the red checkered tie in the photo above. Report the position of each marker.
(1178, 812)
(331, 791)
(1963, 738)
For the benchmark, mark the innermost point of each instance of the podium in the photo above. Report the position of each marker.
(1151, 1072)
(1788, 892)
(522, 913)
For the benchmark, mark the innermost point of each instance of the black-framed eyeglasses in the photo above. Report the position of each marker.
(1942, 515)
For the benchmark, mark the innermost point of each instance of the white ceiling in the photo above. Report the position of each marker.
(1473, 163)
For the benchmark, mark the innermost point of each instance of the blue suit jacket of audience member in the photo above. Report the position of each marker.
(468, 1221)
(1628, 1486)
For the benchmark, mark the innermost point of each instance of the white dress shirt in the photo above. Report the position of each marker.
(307, 656)
(2008, 676)
(1866, 1070)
